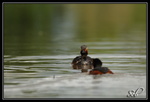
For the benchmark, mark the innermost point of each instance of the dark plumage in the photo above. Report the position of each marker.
(83, 59)
(98, 69)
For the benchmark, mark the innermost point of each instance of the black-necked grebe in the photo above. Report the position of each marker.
(98, 69)
(83, 59)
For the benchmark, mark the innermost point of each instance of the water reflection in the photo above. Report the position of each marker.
(41, 40)
(83, 68)
(52, 24)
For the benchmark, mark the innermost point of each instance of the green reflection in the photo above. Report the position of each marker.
(111, 20)
(34, 29)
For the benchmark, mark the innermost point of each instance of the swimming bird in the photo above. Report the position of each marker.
(98, 69)
(83, 59)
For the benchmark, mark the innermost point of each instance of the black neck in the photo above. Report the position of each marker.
(97, 63)
(83, 53)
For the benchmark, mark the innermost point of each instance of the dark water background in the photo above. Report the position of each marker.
(40, 41)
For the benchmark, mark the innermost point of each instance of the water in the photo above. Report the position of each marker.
(52, 76)
(37, 63)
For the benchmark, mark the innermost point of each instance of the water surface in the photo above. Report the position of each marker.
(38, 53)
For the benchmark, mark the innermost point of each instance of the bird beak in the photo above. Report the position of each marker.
(86, 49)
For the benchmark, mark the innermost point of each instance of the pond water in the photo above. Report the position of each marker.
(52, 76)
(37, 64)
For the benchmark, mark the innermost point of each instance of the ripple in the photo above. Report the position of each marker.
(80, 85)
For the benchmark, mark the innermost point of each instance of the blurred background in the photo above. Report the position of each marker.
(42, 26)
(41, 40)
